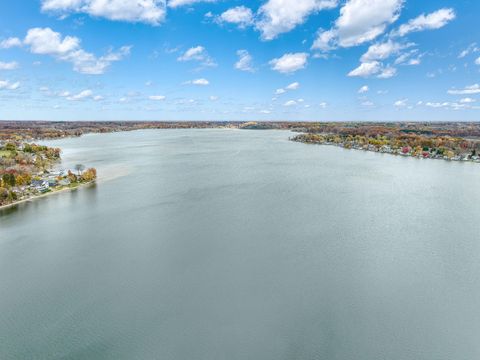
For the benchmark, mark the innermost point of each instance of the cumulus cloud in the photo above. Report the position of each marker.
(371, 60)
(7, 85)
(364, 89)
(382, 51)
(280, 91)
(157, 97)
(12, 65)
(467, 100)
(145, 11)
(468, 90)
(239, 15)
(178, 3)
(387, 72)
(359, 21)
(199, 54)
(10, 42)
(244, 62)
(289, 62)
(434, 20)
(371, 68)
(45, 41)
(366, 69)
(281, 16)
(326, 40)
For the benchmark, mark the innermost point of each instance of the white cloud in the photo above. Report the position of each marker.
(7, 85)
(471, 49)
(371, 68)
(382, 51)
(239, 15)
(213, 98)
(197, 53)
(178, 3)
(12, 65)
(244, 62)
(201, 82)
(10, 42)
(326, 40)
(406, 58)
(293, 86)
(477, 61)
(45, 41)
(145, 11)
(450, 105)
(364, 20)
(434, 20)
(366, 69)
(289, 63)
(360, 21)
(364, 89)
(387, 73)
(81, 95)
(323, 105)
(367, 103)
(98, 97)
(467, 100)
(281, 16)
(414, 62)
(157, 97)
(468, 90)
(290, 103)
(400, 103)
(280, 91)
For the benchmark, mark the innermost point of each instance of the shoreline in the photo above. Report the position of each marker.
(33, 198)
(407, 155)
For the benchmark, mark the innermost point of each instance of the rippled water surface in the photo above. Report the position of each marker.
(228, 244)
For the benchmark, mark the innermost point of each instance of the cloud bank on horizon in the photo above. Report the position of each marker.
(213, 60)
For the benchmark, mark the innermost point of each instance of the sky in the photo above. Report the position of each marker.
(294, 60)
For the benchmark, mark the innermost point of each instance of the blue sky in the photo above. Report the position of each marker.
(322, 60)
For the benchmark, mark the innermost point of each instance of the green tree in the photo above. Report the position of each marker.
(8, 179)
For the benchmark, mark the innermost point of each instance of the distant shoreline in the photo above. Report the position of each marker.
(33, 198)
(387, 151)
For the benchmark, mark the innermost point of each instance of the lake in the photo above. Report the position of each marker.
(235, 244)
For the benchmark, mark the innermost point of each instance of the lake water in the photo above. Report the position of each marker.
(229, 244)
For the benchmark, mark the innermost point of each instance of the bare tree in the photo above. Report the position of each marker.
(79, 168)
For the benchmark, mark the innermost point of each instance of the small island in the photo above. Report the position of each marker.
(28, 170)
